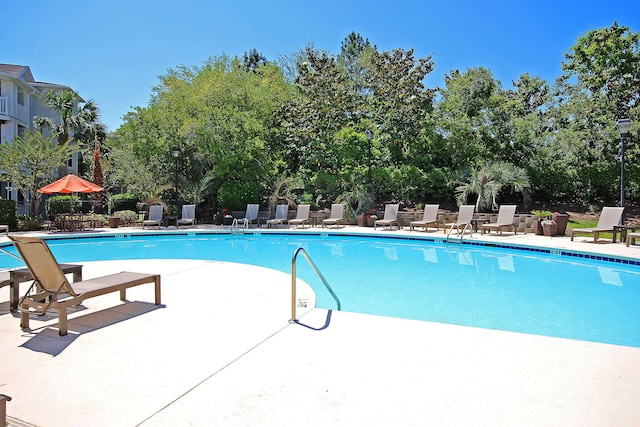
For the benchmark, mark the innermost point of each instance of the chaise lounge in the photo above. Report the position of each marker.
(51, 290)
(430, 218)
(609, 217)
(504, 221)
(390, 217)
(335, 216)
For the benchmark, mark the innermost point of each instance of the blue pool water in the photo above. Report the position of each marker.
(473, 285)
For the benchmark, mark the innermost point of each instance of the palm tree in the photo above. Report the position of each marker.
(489, 180)
(75, 117)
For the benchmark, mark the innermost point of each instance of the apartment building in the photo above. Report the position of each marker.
(21, 98)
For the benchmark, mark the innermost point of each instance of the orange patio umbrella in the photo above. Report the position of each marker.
(70, 184)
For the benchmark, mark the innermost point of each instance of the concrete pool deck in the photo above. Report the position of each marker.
(220, 351)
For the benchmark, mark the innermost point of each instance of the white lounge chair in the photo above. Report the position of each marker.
(155, 216)
(302, 216)
(609, 217)
(465, 215)
(250, 215)
(430, 218)
(336, 216)
(390, 217)
(5, 228)
(188, 215)
(282, 212)
(505, 220)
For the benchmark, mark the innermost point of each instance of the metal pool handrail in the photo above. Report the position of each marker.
(293, 281)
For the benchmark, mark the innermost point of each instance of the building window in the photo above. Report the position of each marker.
(20, 97)
(22, 131)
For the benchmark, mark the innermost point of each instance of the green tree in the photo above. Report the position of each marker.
(29, 163)
(607, 61)
(399, 102)
(219, 115)
(470, 116)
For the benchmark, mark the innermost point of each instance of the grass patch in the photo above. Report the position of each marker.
(581, 223)
(585, 223)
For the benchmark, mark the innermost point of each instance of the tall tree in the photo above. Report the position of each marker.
(607, 61)
(253, 59)
(29, 162)
(399, 102)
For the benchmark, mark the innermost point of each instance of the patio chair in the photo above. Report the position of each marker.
(430, 218)
(188, 216)
(51, 289)
(4, 228)
(336, 215)
(302, 216)
(282, 212)
(609, 217)
(250, 215)
(465, 215)
(505, 220)
(631, 237)
(155, 216)
(390, 217)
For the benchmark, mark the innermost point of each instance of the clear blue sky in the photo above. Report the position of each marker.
(112, 51)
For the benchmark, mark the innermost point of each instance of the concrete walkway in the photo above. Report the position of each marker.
(220, 351)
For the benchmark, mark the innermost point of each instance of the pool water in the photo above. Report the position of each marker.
(472, 285)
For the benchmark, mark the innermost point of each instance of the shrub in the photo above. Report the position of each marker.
(127, 217)
(8, 213)
(28, 224)
(236, 195)
(62, 204)
(123, 202)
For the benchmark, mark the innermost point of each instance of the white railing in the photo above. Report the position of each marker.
(4, 105)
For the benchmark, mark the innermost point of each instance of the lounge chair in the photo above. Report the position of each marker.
(250, 215)
(336, 216)
(188, 216)
(465, 215)
(430, 218)
(282, 212)
(631, 237)
(609, 217)
(505, 220)
(4, 228)
(302, 216)
(390, 217)
(51, 289)
(155, 216)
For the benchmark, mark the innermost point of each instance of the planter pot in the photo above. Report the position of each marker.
(360, 220)
(537, 227)
(370, 221)
(550, 229)
(561, 220)
(114, 222)
(227, 220)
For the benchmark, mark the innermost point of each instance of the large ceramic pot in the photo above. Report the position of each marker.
(550, 229)
(561, 220)
(536, 226)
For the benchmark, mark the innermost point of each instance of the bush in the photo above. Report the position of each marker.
(236, 195)
(63, 204)
(123, 202)
(127, 217)
(8, 213)
(28, 224)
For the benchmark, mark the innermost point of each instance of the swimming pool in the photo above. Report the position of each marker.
(531, 291)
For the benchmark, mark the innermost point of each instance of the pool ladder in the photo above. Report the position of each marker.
(294, 281)
(466, 226)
